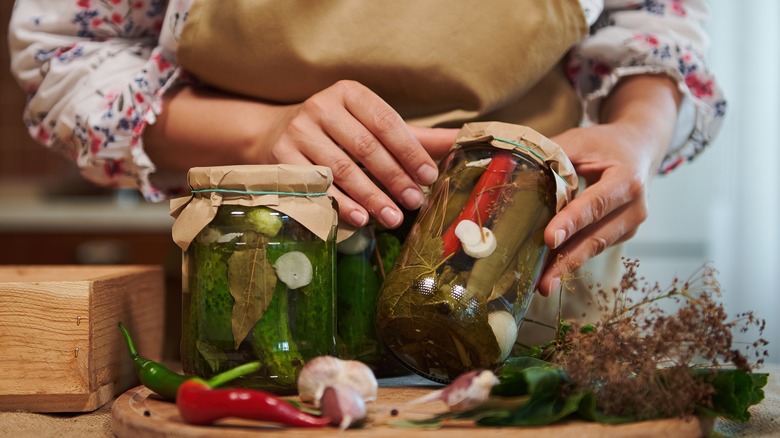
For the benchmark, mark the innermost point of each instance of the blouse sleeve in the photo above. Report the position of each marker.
(658, 37)
(94, 73)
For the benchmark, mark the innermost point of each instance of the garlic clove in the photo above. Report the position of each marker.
(504, 329)
(343, 405)
(479, 163)
(356, 243)
(468, 232)
(474, 391)
(466, 392)
(208, 235)
(477, 242)
(294, 269)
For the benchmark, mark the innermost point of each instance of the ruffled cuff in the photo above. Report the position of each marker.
(114, 137)
(630, 53)
(158, 188)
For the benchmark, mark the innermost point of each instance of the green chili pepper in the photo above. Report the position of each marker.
(153, 375)
(165, 382)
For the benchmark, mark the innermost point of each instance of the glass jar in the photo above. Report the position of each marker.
(258, 271)
(362, 263)
(469, 267)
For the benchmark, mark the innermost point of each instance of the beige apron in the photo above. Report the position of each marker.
(437, 62)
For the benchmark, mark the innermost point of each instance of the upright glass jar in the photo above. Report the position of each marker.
(258, 271)
(469, 267)
(362, 263)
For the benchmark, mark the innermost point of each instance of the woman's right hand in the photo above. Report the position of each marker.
(346, 127)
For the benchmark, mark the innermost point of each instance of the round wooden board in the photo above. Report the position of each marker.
(139, 412)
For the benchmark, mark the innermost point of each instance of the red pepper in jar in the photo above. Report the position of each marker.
(482, 199)
(199, 404)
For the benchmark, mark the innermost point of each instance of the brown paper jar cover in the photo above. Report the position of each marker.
(296, 190)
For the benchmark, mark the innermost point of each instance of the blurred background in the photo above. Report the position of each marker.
(50, 215)
(723, 208)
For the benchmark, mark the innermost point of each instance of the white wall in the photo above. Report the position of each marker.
(725, 206)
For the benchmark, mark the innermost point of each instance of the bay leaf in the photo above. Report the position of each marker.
(398, 291)
(251, 280)
(211, 354)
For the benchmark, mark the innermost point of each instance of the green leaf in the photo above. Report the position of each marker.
(389, 247)
(537, 412)
(251, 280)
(528, 375)
(432, 423)
(735, 392)
(213, 355)
(542, 383)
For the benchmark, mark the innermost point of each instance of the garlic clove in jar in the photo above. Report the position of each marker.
(478, 242)
(504, 329)
(294, 269)
(357, 242)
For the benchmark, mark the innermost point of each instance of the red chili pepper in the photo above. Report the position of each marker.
(482, 199)
(199, 404)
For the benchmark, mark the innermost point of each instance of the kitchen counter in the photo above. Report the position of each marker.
(765, 421)
(28, 208)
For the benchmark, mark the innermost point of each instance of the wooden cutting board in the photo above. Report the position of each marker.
(139, 412)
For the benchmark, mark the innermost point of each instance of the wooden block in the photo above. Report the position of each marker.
(60, 347)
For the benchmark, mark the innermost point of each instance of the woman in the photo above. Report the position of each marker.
(621, 85)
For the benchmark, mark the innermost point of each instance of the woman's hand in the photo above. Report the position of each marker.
(617, 160)
(345, 127)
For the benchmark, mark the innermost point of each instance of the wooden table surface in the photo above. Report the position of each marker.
(138, 412)
(112, 420)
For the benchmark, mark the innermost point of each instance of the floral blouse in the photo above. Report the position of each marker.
(95, 72)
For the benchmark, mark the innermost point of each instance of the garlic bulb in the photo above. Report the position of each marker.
(324, 371)
(359, 376)
(314, 376)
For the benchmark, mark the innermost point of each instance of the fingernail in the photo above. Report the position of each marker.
(560, 236)
(412, 198)
(390, 217)
(427, 174)
(358, 218)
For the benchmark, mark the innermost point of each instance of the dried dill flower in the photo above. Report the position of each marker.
(640, 360)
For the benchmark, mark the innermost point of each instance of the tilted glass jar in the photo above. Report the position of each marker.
(469, 267)
(258, 271)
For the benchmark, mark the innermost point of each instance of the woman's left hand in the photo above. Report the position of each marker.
(617, 160)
